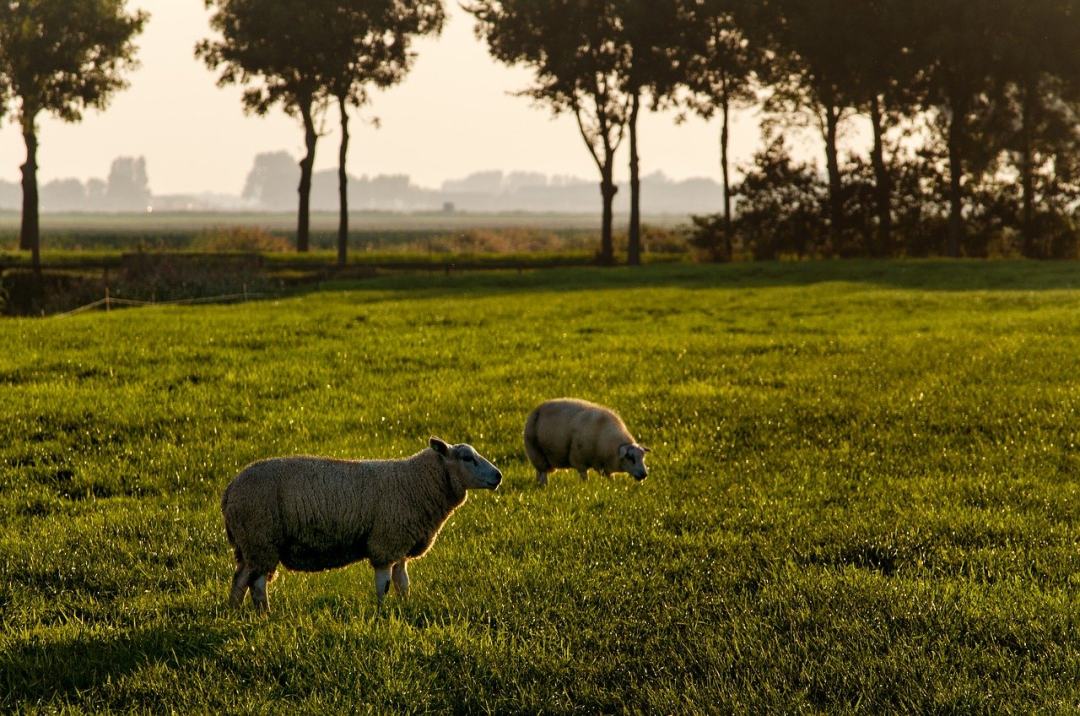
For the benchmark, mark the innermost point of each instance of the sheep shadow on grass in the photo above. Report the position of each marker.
(35, 673)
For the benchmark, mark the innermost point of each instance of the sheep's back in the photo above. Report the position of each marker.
(565, 424)
(316, 512)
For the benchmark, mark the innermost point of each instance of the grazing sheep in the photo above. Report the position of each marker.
(312, 513)
(582, 435)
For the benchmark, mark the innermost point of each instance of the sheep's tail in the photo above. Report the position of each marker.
(532, 443)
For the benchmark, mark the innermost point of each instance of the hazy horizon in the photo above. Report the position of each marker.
(196, 137)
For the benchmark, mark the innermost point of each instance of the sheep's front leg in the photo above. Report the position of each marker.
(401, 579)
(541, 477)
(584, 472)
(382, 582)
(258, 594)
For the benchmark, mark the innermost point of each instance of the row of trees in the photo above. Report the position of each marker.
(305, 58)
(61, 57)
(972, 104)
(965, 98)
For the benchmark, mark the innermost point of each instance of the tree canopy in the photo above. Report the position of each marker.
(61, 57)
(368, 45)
(578, 67)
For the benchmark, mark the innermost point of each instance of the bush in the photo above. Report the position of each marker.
(239, 238)
(502, 241)
(661, 240)
(171, 276)
(706, 236)
(781, 205)
(22, 295)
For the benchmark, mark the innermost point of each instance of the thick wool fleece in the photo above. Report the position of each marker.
(576, 434)
(312, 513)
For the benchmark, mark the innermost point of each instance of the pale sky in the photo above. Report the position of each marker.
(453, 115)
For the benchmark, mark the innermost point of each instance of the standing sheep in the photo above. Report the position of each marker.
(582, 435)
(312, 513)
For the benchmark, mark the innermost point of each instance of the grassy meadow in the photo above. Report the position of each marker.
(864, 495)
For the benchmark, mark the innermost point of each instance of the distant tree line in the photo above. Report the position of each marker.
(973, 108)
(127, 188)
(271, 184)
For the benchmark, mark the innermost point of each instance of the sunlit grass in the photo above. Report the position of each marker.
(863, 494)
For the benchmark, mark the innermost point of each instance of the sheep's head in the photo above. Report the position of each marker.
(467, 466)
(632, 460)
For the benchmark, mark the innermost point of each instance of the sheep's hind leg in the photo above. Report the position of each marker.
(541, 478)
(382, 582)
(258, 594)
(400, 576)
(240, 583)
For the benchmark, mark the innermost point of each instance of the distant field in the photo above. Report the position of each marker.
(368, 230)
(320, 221)
(864, 495)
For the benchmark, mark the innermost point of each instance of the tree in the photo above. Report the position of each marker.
(368, 46)
(1040, 71)
(129, 186)
(651, 33)
(809, 70)
(880, 84)
(579, 63)
(718, 62)
(61, 57)
(955, 47)
(271, 183)
(278, 50)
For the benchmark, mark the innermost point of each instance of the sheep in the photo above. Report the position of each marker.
(312, 514)
(581, 435)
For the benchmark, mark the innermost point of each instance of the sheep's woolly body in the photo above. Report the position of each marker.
(575, 434)
(314, 513)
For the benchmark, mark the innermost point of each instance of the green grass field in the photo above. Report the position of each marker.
(863, 495)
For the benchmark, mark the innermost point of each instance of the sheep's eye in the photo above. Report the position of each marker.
(468, 458)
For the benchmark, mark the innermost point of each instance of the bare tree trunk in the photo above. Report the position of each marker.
(724, 169)
(956, 170)
(882, 181)
(607, 193)
(634, 239)
(30, 230)
(343, 185)
(307, 164)
(832, 161)
(605, 164)
(1027, 170)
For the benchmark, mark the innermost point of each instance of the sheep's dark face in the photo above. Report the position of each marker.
(632, 460)
(468, 466)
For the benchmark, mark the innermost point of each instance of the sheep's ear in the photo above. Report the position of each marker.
(644, 449)
(439, 446)
(624, 449)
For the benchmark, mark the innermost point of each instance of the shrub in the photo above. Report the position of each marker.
(780, 205)
(170, 276)
(58, 291)
(239, 238)
(706, 236)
